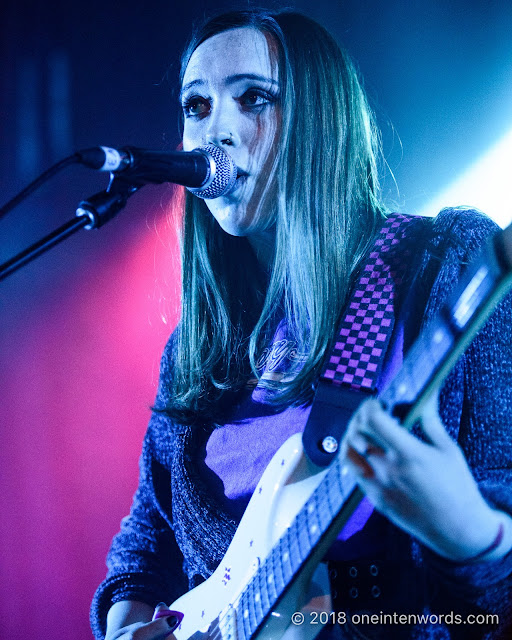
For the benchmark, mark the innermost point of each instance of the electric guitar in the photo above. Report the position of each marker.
(272, 568)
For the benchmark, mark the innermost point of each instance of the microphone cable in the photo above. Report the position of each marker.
(35, 184)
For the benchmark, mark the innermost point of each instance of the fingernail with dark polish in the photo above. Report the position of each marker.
(173, 618)
(172, 621)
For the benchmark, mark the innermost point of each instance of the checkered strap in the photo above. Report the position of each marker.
(352, 369)
(365, 331)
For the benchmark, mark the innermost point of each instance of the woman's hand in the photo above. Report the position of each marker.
(425, 489)
(121, 627)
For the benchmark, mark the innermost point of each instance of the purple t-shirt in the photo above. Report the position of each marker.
(239, 451)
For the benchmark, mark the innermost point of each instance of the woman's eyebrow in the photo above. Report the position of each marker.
(229, 80)
(250, 76)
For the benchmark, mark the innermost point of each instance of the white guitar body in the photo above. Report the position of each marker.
(209, 609)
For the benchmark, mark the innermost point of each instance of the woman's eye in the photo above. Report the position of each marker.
(256, 98)
(195, 107)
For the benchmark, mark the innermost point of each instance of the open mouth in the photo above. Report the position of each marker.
(241, 177)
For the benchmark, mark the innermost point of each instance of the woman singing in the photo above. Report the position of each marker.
(267, 271)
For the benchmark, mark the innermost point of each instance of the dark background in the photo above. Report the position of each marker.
(82, 327)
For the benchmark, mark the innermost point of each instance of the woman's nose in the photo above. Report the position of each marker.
(222, 129)
(223, 137)
(220, 139)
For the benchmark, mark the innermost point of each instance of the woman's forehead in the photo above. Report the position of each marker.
(237, 52)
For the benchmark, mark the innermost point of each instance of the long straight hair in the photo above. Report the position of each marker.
(323, 197)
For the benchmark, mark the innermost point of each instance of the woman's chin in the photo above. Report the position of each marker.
(233, 227)
(232, 217)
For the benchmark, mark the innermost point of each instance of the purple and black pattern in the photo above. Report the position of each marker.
(366, 329)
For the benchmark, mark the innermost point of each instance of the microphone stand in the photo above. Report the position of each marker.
(91, 214)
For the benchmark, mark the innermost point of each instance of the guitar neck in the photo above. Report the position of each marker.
(303, 544)
(427, 363)
(440, 345)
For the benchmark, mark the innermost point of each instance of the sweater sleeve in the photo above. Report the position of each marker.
(476, 407)
(144, 562)
(485, 436)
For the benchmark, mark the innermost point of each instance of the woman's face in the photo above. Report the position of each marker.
(229, 98)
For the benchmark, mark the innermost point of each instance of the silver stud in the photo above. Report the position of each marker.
(330, 444)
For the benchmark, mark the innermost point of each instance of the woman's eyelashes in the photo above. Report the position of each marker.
(195, 107)
(256, 98)
(253, 99)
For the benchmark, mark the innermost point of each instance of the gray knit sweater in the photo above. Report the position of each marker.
(176, 534)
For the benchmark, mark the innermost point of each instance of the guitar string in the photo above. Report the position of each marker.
(217, 631)
(426, 357)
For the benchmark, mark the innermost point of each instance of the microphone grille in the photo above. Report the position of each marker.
(223, 175)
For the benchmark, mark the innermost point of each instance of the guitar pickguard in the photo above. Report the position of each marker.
(282, 491)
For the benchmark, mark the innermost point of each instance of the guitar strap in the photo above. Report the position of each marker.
(351, 371)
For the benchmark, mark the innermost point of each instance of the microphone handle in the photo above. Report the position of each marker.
(189, 168)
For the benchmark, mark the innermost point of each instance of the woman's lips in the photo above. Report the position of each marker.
(241, 177)
(240, 180)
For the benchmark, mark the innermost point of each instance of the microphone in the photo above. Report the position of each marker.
(207, 171)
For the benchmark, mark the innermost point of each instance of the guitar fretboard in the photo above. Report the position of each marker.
(441, 343)
(293, 549)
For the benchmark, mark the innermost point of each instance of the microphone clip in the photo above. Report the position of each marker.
(103, 206)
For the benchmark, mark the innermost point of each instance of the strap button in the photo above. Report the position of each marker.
(330, 444)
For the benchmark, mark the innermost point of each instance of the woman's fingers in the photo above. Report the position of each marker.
(432, 425)
(167, 616)
(159, 629)
(360, 462)
(385, 455)
(373, 431)
(163, 624)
